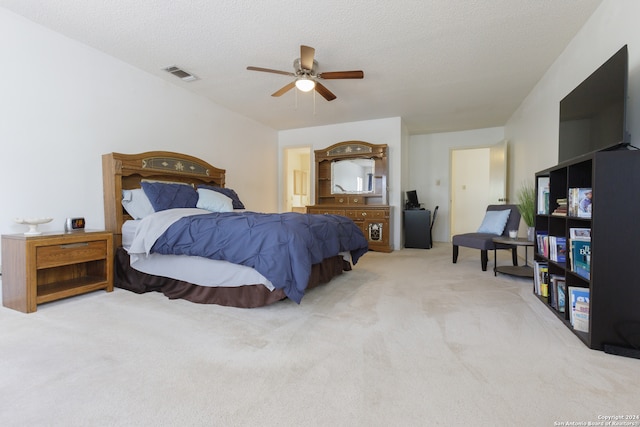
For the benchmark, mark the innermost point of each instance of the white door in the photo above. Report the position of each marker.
(478, 179)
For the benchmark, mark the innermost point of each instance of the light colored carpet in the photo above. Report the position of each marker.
(405, 339)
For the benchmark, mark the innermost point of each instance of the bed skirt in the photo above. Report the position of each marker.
(246, 296)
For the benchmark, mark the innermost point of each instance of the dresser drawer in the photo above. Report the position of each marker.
(55, 255)
(341, 200)
(361, 214)
(326, 211)
(350, 200)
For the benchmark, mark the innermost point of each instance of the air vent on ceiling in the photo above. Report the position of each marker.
(181, 74)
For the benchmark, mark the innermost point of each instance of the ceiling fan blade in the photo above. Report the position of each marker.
(326, 93)
(268, 70)
(342, 75)
(284, 89)
(306, 57)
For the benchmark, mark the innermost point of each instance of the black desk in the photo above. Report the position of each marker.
(416, 228)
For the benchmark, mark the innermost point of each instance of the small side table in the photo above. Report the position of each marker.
(514, 270)
(54, 265)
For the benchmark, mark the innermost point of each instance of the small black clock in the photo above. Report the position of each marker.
(74, 224)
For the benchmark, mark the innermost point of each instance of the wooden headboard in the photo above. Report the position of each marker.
(126, 171)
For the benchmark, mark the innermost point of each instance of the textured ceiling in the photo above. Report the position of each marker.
(441, 65)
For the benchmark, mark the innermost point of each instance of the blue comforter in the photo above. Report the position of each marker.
(282, 247)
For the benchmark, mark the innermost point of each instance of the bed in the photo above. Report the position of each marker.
(178, 229)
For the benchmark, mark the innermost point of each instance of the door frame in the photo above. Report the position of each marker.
(303, 167)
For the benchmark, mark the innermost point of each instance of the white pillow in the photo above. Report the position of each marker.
(136, 203)
(213, 201)
(494, 222)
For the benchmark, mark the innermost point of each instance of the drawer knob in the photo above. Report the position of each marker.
(355, 200)
(341, 200)
(364, 214)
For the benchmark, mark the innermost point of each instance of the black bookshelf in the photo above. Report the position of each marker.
(614, 283)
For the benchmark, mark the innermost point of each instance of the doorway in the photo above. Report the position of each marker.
(297, 187)
(478, 179)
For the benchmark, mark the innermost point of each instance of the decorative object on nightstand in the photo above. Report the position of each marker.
(527, 208)
(52, 266)
(74, 224)
(33, 224)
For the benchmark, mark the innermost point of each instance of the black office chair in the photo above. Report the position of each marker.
(433, 219)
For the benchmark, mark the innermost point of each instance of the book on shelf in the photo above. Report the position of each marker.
(581, 257)
(577, 233)
(561, 291)
(562, 208)
(579, 314)
(580, 202)
(536, 277)
(580, 251)
(544, 285)
(557, 248)
(541, 278)
(542, 240)
(553, 290)
(543, 195)
(560, 249)
(557, 292)
(572, 202)
(581, 317)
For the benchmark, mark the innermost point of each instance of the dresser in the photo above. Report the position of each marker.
(351, 180)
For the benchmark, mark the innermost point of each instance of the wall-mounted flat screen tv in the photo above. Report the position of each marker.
(593, 115)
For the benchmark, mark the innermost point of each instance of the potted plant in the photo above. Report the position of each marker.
(527, 207)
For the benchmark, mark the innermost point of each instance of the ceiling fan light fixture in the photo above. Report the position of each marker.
(305, 84)
(306, 77)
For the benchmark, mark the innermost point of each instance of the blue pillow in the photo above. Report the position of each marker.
(237, 204)
(494, 222)
(169, 196)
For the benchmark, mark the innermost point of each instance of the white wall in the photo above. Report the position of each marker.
(383, 131)
(429, 159)
(533, 129)
(64, 104)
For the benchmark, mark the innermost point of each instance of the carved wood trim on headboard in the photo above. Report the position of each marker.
(126, 171)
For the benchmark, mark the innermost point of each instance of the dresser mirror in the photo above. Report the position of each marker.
(352, 176)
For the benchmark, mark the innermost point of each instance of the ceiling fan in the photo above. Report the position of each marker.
(306, 75)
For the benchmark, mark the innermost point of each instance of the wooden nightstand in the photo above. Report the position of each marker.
(51, 266)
